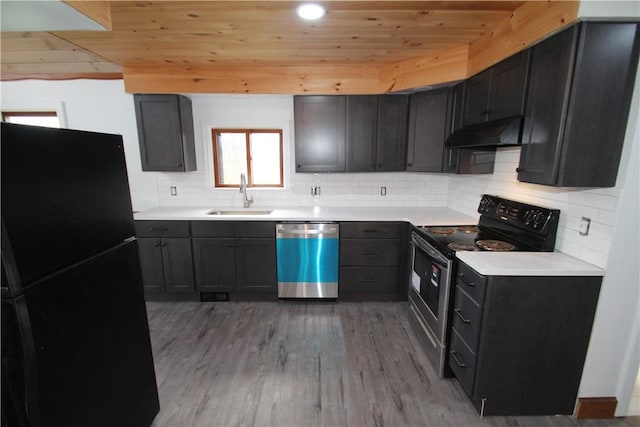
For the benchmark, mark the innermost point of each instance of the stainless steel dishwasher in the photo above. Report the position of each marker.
(307, 256)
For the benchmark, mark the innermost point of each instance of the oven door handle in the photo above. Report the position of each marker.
(433, 253)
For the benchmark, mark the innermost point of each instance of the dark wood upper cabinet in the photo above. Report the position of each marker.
(362, 129)
(427, 128)
(578, 105)
(320, 133)
(165, 132)
(497, 92)
(376, 133)
(391, 147)
(477, 98)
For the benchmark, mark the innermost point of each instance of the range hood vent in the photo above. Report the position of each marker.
(498, 133)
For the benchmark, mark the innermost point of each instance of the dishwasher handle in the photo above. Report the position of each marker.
(307, 230)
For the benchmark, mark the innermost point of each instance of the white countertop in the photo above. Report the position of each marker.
(416, 216)
(527, 264)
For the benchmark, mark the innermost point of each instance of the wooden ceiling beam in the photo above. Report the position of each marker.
(327, 79)
(527, 24)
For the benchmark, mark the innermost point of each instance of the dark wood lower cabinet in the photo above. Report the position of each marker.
(518, 346)
(373, 260)
(214, 264)
(256, 265)
(166, 264)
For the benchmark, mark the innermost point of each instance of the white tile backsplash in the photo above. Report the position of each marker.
(402, 189)
(597, 204)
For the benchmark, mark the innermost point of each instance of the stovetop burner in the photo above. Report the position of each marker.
(455, 246)
(468, 229)
(440, 230)
(496, 245)
(504, 225)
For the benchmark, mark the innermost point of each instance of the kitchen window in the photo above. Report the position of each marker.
(255, 153)
(34, 118)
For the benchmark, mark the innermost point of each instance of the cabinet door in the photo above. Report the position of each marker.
(256, 265)
(214, 264)
(178, 264)
(427, 117)
(551, 67)
(508, 87)
(362, 116)
(598, 109)
(391, 147)
(320, 133)
(165, 136)
(150, 255)
(476, 98)
(454, 122)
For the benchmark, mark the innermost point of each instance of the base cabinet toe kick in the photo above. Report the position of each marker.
(519, 346)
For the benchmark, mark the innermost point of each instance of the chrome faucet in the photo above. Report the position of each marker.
(243, 189)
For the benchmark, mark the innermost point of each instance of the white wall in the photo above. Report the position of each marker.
(93, 105)
(276, 111)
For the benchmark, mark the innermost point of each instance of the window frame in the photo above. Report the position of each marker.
(247, 132)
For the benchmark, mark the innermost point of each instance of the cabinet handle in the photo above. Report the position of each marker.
(458, 313)
(179, 165)
(158, 229)
(157, 245)
(409, 163)
(298, 166)
(368, 280)
(458, 362)
(163, 245)
(370, 253)
(464, 280)
(380, 165)
(373, 166)
(370, 230)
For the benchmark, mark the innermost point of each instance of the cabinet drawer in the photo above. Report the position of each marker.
(370, 230)
(212, 229)
(162, 228)
(255, 229)
(467, 315)
(369, 252)
(462, 361)
(368, 279)
(474, 284)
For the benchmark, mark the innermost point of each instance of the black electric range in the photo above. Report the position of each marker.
(504, 225)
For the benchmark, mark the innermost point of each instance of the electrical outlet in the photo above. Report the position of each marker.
(174, 191)
(315, 191)
(383, 191)
(584, 226)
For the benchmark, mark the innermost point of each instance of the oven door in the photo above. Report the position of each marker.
(429, 296)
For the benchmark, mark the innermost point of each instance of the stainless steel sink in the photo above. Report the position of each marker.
(239, 212)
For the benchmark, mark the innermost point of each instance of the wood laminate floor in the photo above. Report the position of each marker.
(306, 364)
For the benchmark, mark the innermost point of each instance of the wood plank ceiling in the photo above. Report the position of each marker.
(263, 47)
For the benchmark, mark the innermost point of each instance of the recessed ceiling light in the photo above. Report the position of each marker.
(310, 11)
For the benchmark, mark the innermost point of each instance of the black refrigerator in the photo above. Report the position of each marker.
(75, 339)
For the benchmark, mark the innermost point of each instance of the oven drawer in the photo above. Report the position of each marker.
(369, 252)
(463, 362)
(473, 283)
(467, 315)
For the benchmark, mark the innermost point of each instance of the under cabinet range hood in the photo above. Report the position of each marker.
(497, 133)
